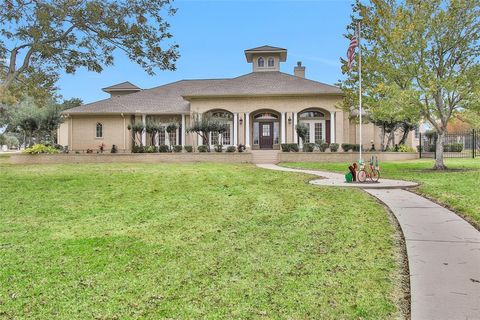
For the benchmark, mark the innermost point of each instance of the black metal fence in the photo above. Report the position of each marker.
(455, 145)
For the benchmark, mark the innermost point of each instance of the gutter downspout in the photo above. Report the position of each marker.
(124, 133)
(70, 133)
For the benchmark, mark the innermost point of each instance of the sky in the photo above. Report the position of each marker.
(213, 35)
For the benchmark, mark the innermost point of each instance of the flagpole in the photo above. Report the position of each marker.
(360, 86)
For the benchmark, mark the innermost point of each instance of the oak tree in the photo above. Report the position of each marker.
(419, 55)
(40, 38)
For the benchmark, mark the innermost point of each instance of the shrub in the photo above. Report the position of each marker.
(231, 149)
(151, 149)
(432, 148)
(334, 147)
(138, 149)
(350, 146)
(114, 149)
(322, 145)
(346, 147)
(40, 148)
(308, 147)
(57, 146)
(289, 147)
(241, 148)
(218, 148)
(163, 148)
(177, 148)
(202, 148)
(188, 148)
(405, 148)
(453, 147)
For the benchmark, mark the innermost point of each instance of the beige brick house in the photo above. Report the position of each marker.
(261, 108)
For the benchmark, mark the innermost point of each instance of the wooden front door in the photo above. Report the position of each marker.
(266, 135)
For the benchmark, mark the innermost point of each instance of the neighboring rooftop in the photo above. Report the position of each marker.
(124, 86)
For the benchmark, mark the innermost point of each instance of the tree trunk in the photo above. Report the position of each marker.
(390, 139)
(405, 133)
(439, 164)
(382, 139)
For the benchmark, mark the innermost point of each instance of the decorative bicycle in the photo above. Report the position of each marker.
(372, 171)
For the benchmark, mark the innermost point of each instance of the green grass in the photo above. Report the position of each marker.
(190, 241)
(457, 187)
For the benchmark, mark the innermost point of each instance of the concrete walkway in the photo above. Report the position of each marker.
(443, 249)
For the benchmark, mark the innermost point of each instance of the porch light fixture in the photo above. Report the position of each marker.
(241, 121)
(289, 120)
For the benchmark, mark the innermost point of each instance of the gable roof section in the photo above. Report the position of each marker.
(173, 98)
(159, 100)
(124, 86)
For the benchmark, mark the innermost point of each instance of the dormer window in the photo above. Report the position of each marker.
(261, 62)
(271, 62)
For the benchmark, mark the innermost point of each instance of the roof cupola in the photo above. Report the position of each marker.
(266, 58)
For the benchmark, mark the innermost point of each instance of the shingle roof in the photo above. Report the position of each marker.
(127, 85)
(266, 48)
(171, 98)
(266, 83)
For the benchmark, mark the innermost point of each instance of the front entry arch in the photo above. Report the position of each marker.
(266, 130)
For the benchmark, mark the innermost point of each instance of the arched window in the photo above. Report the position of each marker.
(99, 130)
(311, 114)
(261, 62)
(221, 115)
(265, 115)
(271, 62)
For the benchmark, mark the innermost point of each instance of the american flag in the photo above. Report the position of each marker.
(351, 51)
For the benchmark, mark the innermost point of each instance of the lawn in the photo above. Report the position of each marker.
(190, 241)
(457, 188)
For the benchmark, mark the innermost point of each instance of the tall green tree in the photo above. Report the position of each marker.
(419, 55)
(40, 38)
(34, 124)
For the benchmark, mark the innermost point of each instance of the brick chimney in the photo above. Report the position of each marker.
(299, 70)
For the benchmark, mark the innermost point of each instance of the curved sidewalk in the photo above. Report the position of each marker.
(443, 249)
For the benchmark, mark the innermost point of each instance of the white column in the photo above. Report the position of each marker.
(144, 132)
(183, 130)
(282, 126)
(235, 128)
(247, 129)
(295, 137)
(332, 126)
